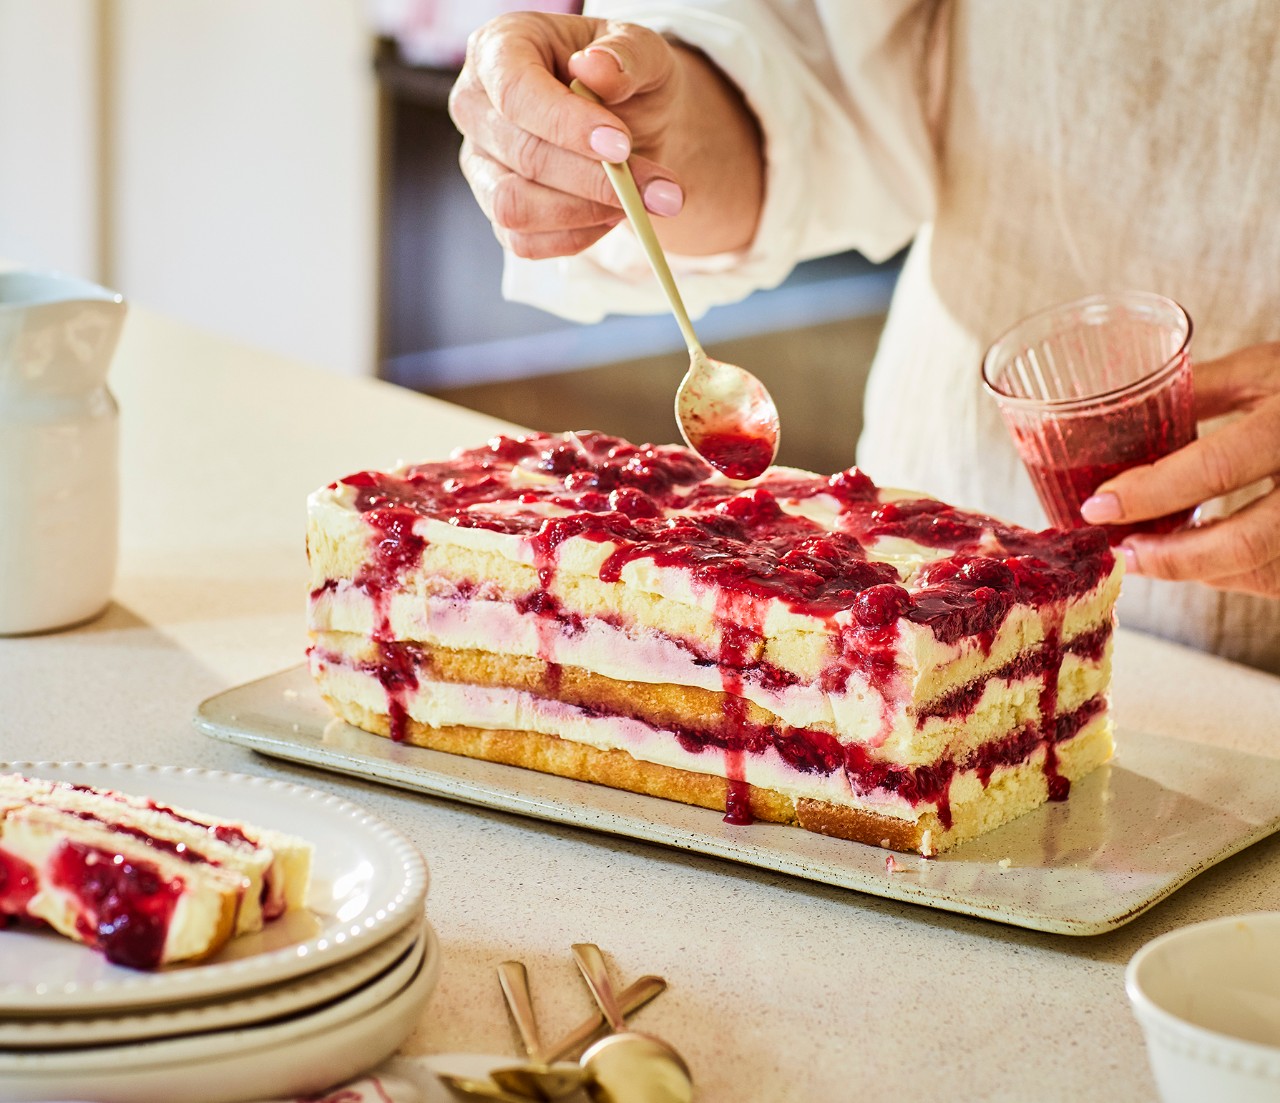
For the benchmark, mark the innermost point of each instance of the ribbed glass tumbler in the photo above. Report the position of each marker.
(1091, 388)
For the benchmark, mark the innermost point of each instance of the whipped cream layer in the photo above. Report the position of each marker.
(442, 704)
(1003, 699)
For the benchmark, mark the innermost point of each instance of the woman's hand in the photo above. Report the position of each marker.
(1239, 552)
(532, 149)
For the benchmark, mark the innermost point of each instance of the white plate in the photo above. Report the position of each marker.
(368, 882)
(298, 1056)
(236, 1010)
(1133, 831)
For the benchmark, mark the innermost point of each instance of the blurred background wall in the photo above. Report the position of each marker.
(284, 172)
(213, 159)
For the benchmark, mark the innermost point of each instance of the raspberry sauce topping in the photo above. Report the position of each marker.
(663, 503)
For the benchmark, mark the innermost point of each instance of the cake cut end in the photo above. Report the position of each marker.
(146, 884)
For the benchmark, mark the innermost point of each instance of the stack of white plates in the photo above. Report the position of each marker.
(319, 996)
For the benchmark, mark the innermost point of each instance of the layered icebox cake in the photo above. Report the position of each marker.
(858, 661)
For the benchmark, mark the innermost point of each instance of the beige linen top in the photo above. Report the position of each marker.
(1036, 152)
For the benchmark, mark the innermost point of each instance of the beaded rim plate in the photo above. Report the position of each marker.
(1133, 832)
(116, 1025)
(295, 1056)
(367, 883)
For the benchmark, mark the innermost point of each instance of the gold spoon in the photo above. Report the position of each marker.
(724, 412)
(627, 1066)
(635, 996)
(539, 1079)
(468, 1087)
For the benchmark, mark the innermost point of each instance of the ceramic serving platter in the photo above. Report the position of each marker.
(367, 883)
(1134, 831)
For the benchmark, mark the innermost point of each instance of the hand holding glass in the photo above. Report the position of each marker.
(1092, 388)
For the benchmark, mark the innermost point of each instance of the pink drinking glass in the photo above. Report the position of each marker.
(1093, 387)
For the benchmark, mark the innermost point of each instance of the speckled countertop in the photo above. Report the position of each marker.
(781, 989)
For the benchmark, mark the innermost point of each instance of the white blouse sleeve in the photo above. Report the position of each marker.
(842, 90)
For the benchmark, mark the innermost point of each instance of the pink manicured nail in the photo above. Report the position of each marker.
(610, 144)
(1130, 558)
(664, 198)
(609, 52)
(1101, 509)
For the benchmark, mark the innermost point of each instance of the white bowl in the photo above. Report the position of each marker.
(1208, 999)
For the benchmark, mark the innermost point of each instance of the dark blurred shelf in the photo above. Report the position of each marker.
(857, 291)
(411, 83)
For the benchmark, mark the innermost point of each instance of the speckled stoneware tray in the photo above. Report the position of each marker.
(1133, 832)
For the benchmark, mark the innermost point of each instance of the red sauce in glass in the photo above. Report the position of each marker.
(1086, 451)
(1068, 487)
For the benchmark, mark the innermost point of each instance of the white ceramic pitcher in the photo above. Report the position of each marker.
(59, 493)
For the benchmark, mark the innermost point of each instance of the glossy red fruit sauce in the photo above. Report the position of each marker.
(736, 454)
(127, 904)
(1068, 458)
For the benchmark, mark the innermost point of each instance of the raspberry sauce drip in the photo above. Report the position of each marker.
(1059, 787)
(397, 672)
(550, 622)
(127, 904)
(740, 639)
(397, 548)
(737, 793)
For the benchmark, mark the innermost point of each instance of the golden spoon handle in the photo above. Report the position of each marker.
(632, 998)
(629, 195)
(594, 971)
(514, 979)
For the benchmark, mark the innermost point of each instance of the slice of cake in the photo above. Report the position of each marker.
(145, 883)
(862, 662)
